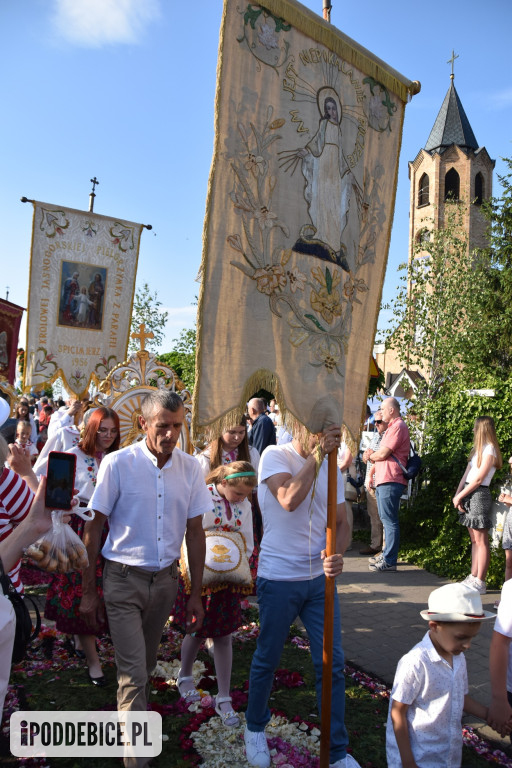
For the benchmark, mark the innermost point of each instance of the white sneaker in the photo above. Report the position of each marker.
(479, 585)
(256, 748)
(345, 762)
(376, 558)
(474, 583)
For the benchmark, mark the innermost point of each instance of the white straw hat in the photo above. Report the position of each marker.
(5, 410)
(456, 602)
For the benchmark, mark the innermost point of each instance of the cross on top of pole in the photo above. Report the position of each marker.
(92, 194)
(452, 62)
(142, 336)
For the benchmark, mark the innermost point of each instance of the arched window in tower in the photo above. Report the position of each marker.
(423, 238)
(479, 189)
(423, 190)
(451, 185)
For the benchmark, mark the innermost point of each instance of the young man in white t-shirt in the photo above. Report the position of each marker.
(291, 581)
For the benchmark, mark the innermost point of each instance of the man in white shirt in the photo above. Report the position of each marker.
(291, 580)
(153, 495)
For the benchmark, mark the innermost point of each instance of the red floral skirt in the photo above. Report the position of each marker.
(65, 593)
(222, 612)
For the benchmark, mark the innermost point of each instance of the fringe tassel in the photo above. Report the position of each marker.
(261, 379)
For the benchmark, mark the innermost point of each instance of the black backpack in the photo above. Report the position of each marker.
(412, 467)
(24, 634)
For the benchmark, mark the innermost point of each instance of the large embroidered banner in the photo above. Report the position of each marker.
(10, 319)
(299, 213)
(82, 281)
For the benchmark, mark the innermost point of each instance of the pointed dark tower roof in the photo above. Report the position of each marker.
(451, 126)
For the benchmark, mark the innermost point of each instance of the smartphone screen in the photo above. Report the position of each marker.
(60, 480)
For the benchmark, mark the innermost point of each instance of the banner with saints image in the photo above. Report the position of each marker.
(82, 281)
(299, 214)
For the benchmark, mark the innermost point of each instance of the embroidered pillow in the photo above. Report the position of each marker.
(226, 564)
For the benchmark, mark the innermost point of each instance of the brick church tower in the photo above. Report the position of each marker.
(451, 166)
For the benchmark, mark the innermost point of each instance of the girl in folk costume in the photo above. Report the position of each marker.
(230, 485)
(100, 436)
(233, 445)
(22, 413)
(473, 499)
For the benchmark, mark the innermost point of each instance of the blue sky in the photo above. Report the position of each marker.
(124, 90)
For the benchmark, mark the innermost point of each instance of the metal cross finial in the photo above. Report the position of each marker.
(142, 336)
(92, 194)
(452, 62)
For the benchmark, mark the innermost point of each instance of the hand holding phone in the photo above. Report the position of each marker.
(60, 480)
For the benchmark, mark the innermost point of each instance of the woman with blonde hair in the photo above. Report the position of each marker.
(473, 498)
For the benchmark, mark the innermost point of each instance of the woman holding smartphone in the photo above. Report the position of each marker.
(100, 436)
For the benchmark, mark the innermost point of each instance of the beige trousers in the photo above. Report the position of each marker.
(138, 605)
(376, 541)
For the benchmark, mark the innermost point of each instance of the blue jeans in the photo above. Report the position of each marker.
(280, 602)
(388, 503)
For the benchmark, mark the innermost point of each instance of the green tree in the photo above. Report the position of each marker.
(182, 359)
(146, 309)
(432, 323)
(431, 535)
(456, 321)
(493, 299)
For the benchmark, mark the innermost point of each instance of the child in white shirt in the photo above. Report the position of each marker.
(500, 663)
(430, 690)
(23, 432)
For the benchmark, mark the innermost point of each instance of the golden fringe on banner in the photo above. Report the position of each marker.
(264, 379)
(323, 32)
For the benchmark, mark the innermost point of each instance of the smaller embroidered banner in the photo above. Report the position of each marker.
(82, 281)
(298, 219)
(10, 319)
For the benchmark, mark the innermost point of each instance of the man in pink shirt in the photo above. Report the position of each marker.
(390, 481)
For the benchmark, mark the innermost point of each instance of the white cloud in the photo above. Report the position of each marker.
(93, 23)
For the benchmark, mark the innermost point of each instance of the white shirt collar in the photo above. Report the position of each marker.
(145, 450)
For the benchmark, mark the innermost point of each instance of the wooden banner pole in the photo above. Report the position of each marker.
(330, 584)
(330, 596)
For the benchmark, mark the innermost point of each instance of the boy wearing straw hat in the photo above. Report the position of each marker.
(430, 690)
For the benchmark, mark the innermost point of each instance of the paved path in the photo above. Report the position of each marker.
(381, 621)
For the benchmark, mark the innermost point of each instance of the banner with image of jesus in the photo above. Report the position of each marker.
(82, 281)
(298, 221)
